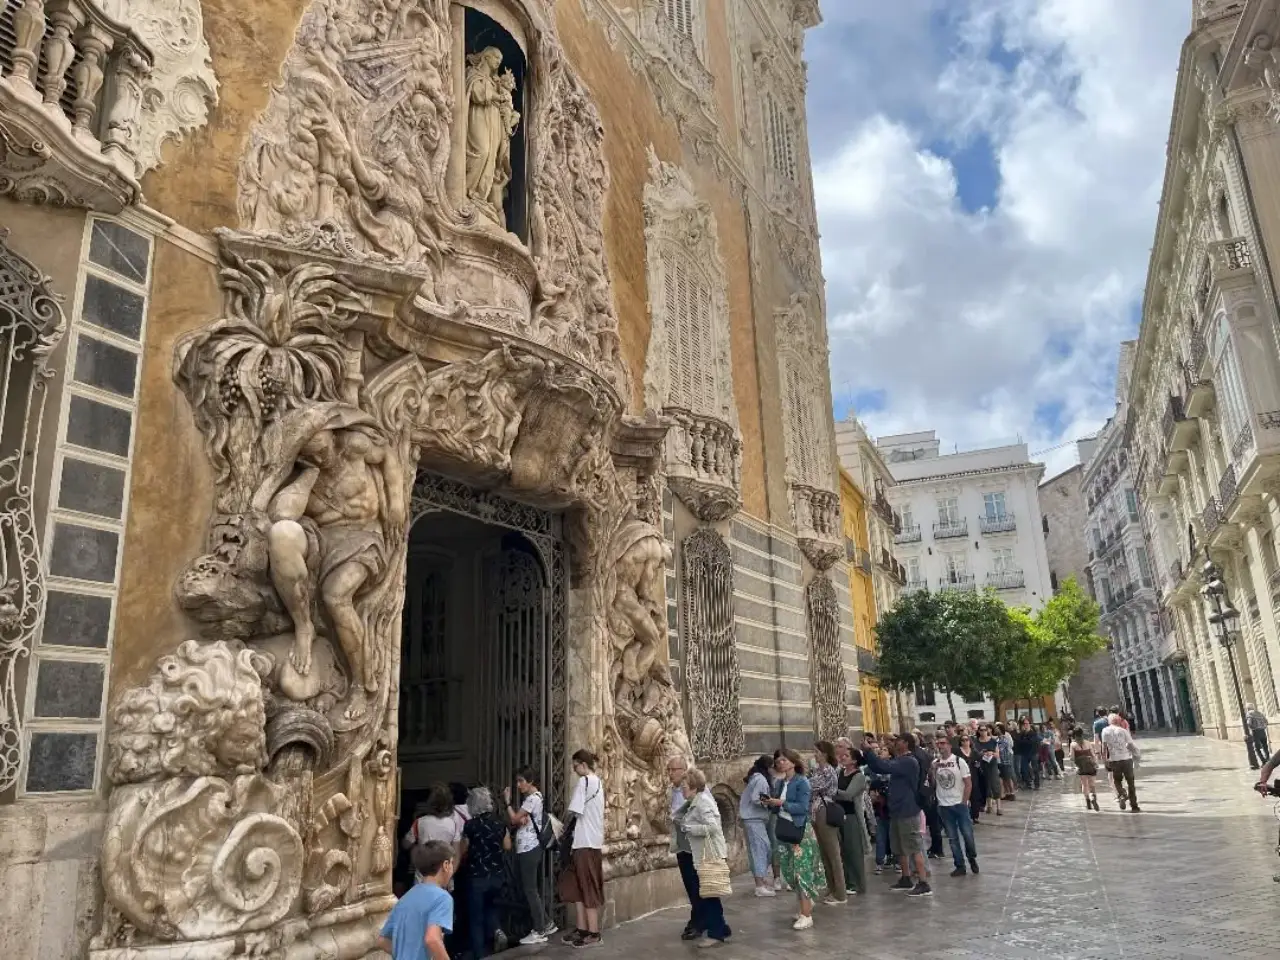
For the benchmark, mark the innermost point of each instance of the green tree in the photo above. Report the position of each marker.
(908, 636)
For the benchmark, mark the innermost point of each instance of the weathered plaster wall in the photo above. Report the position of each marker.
(172, 481)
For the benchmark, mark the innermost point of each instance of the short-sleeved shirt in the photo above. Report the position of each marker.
(423, 907)
(1099, 725)
(588, 805)
(527, 835)
(1118, 743)
(484, 837)
(949, 776)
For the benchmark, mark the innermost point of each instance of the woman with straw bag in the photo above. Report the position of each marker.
(699, 818)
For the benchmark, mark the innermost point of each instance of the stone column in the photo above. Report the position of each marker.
(456, 176)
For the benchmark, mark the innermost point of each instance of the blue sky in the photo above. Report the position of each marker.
(987, 176)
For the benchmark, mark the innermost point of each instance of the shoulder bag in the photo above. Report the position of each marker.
(713, 876)
(833, 813)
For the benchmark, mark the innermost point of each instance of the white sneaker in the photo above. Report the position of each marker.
(530, 939)
(550, 931)
(833, 902)
(803, 923)
(779, 884)
(766, 892)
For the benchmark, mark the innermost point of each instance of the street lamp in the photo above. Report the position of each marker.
(1224, 615)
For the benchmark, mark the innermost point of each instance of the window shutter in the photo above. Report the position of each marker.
(680, 13)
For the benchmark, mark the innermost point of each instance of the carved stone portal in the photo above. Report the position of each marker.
(826, 667)
(372, 326)
(711, 665)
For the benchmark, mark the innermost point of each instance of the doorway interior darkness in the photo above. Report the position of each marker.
(482, 668)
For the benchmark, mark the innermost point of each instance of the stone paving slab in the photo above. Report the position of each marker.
(1189, 878)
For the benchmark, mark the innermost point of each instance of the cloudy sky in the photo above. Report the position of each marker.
(987, 176)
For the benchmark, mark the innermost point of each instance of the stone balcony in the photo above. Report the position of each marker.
(704, 464)
(1007, 580)
(816, 514)
(1179, 429)
(70, 103)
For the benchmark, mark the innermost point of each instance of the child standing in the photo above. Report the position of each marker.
(1086, 766)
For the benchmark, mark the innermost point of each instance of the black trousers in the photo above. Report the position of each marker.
(934, 823)
(689, 876)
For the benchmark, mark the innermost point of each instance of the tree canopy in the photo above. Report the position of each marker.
(962, 642)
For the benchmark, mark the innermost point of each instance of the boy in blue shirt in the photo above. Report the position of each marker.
(417, 925)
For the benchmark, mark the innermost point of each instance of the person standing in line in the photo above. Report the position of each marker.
(851, 793)
(529, 820)
(823, 783)
(954, 781)
(1004, 746)
(419, 921)
(1118, 711)
(1257, 721)
(699, 820)
(1048, 759)
(1026, 747)
(484, 841)
(754, 813)
(1059, 752)
(904, 815)
(582, 881)
(1099, 723)
(677, 767)
(1086, 763)
(988, 769)
(975, 795)
(799, 859)
(878, 788)
(932, 825)
(779, 884)
(1120, 752)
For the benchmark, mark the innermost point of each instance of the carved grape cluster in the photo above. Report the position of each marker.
(270, 387)
(229, 393)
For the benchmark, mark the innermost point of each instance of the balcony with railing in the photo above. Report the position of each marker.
(1006, 580)
(704, 463)
(1000, 523)
(70, 102)
(947, 529)
(958, 583)
(1228, 491)
(1197, 388)
(817, 518)
(1210, 518)
(1179, 429)
(908, 534)
(915, 586)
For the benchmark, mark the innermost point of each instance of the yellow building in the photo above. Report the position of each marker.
(862, 593)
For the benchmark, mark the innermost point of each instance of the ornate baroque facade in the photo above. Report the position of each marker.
(395, 391)
(1203, 430)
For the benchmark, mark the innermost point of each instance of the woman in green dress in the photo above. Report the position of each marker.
(800, 862)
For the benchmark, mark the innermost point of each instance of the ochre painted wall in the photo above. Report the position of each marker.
(172, 486)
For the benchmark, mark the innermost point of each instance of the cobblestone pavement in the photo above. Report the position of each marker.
(1189, 878)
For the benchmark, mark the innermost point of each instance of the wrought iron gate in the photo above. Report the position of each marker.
(522, 655)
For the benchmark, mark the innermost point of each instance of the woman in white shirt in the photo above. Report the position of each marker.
(582, 882)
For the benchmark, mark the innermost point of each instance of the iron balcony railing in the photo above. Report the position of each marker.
(1002, 523)
(915, 586)
(1211, 517)
(1227, 488)
(1006, 580)
(909, 534)
(945, 529)
(957, 582)
(1173, 415)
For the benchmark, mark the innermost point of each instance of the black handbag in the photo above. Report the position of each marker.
(787, 832)
(834, 813)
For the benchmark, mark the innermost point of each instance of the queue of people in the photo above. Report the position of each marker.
(811, 826)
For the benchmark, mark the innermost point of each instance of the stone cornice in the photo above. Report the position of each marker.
(940, 477)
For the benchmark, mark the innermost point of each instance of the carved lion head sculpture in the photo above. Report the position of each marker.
(202, 714)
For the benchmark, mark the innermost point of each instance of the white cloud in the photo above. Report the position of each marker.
(951, 312)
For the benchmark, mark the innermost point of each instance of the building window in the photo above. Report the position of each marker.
(913, 568)
(925, 696)
(977, 714)
(948, 511)
(908, 521)
(1053, 580)
(1231, 386)
(1144, 566)
(803, 420)
(1131, 500)
(680, 13)
(1003, 560)
(691, 367)
(957, 567)
(993, 504)
(928, 717)
(780, 137)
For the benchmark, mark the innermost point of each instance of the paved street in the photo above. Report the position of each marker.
(1189, 878)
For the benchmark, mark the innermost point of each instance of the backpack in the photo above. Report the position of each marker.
(926, 791)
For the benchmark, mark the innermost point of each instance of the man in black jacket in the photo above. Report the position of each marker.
(1026, 751)
(904, 813)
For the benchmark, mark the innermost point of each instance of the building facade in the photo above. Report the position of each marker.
(970, 521)
(1203, 436)
(395, 392)
(1066, 518)
(1121, 575)
(876, 575)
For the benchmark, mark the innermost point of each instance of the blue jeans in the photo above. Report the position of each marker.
(959, 825)
(882, 842)
(482, 900)
(1028, 769)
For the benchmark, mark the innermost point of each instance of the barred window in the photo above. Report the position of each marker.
(691, 362)
(780, 139)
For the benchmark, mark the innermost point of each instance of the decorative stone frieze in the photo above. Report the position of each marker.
(826, 667)
(711, 663)
(32, 325)
(689, 371)
(379, 322)
(69, 130)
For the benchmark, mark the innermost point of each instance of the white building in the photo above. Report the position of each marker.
(1120, 572)
(970, 521)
